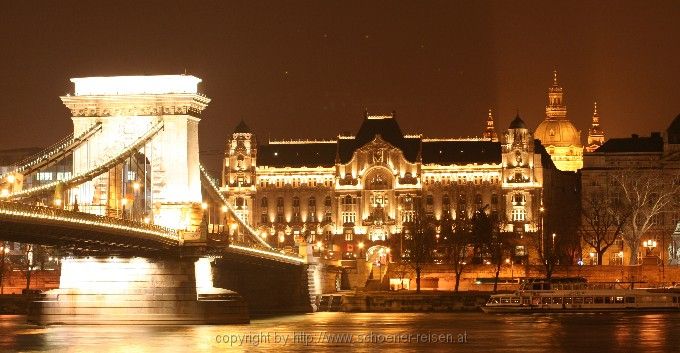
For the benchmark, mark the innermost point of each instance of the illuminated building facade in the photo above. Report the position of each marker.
(357, 191)
(559, 136)
(654, 155)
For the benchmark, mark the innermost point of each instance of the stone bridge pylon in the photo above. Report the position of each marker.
(160, 181)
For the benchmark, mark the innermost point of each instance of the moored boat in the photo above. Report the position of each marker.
(576, 295)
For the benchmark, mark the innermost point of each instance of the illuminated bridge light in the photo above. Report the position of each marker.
(268, 254)
(39, 212)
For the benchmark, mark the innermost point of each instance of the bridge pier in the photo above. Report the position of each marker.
(268, 288)
(138, 291)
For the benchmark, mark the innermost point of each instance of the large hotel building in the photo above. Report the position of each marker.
(357, 191)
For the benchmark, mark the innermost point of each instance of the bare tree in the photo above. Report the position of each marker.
(603, 222)
(419, 242)
(646, 195)
(5, 266)
(455, 238)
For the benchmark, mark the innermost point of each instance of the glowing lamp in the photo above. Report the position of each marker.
(361, 245)
(204, 205)
(4, 193)
(319, 244)
(11, 178)
(225, 208)
(135, 186)
(57, 202)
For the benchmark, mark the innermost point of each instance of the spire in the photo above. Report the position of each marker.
(242, 128)
(490, 131)
(595, 133)
(555, 108)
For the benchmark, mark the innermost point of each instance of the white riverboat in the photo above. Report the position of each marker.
(576, 295)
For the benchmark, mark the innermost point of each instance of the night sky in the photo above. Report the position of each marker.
(309, 69)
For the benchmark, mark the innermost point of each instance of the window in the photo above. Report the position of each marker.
(446, 204)
(44, 176)
(519, 215)
(478, 200)
(494, 199)
(240, 203)
(588, 300)
(63, 175)
(279, 210)
(296, 209)
(462, 206)
(311, 208)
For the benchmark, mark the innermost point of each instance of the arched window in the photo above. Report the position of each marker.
(240, 203)
(264, 203)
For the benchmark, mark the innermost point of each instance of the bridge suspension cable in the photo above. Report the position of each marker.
(92, 172)
(213, 189)
(51, 154)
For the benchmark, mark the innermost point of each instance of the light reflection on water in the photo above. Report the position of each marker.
(485, 333)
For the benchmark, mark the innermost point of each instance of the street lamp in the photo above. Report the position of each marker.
(361, 248)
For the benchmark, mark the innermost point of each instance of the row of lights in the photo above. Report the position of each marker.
(89, 222)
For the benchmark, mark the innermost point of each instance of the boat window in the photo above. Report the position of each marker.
(557, 300)
(608, 300)
(526, 301)
(578, 300)
(675, 299)
(619, 300)
(536, 286)
(505, 300)
(567, 300)
(515, 300)
(536, 300)
(545, 300)
(494, 300)
(546, 286)
(630, 300)
(599, 300)
(588, 300)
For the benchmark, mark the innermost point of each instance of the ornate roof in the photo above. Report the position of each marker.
(558, 132)
(242, 128)
(518, 123)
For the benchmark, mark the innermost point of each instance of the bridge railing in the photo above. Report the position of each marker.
(43, 212)
(54, 152)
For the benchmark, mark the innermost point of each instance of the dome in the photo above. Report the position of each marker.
(558, 132)
(518, 123)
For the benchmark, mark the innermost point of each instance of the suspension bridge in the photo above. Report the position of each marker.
(136, 190)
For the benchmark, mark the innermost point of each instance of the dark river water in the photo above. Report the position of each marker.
(359, 332)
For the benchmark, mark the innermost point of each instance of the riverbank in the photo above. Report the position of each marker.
(15, 304)
(403, 301)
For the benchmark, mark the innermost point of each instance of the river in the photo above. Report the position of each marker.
(333, 332)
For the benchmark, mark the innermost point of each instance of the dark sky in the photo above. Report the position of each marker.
(308, 69)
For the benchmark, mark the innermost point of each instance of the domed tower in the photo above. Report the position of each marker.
(558, 134)
(595, 133)
(522, 179)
